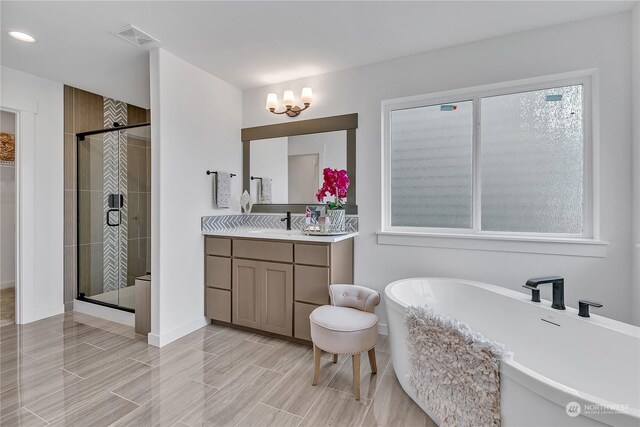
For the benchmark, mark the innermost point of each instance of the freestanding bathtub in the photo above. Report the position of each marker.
(559, 357)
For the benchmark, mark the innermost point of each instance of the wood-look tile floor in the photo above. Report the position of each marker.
(78, 370)
(7, 306)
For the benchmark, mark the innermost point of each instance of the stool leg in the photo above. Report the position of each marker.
(372, 361)
(356, 375)
(335, 358)
(317, 353)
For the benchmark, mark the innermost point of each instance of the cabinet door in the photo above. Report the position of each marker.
(303, 326)
(276, 298)
(246, 293)
(217, 272)
(217, 304)
(312, 284)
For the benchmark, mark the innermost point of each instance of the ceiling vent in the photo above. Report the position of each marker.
(136, 36)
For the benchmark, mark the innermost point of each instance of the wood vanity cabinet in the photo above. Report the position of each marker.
(272, 286)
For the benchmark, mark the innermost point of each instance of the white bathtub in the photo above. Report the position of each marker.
(559, 357)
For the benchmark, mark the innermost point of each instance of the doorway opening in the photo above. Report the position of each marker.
(304, 175)
(8, 209)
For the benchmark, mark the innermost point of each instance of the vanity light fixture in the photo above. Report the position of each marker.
(23, 37)
(291, 109)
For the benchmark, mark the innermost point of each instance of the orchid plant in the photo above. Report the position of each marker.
(335, 184)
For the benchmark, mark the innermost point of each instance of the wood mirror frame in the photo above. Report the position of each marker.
(346, 122)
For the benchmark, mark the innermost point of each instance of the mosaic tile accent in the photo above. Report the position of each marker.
(222, 222)
(115, 182)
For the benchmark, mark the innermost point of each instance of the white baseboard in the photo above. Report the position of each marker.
(107, 313)
(7, 285)
(160, 340)
(382, 329)
(43, 313)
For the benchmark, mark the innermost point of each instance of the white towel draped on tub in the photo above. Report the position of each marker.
(221, 189)
(454, 369)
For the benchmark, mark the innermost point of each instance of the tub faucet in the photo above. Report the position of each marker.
(558, 290)
(288, 219)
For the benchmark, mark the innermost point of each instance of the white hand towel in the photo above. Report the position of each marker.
(222, 188)
(265, 190)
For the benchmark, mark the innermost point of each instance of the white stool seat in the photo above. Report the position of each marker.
(343, 330)
(347, 326)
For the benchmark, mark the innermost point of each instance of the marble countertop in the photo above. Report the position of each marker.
(276, 234)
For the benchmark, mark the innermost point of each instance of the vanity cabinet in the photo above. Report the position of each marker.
(245, 293)
(272, 286)
(262, 295)
(217, 278)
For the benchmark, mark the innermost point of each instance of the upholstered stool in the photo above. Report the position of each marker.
(347, 326)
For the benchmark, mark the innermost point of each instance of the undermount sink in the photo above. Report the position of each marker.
(275, 231)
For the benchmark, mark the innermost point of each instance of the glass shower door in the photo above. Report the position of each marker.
(102, 219)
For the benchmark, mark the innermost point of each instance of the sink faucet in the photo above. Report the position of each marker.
(558, 290)
(288, 219)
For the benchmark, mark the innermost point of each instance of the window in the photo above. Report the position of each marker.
(507, 160)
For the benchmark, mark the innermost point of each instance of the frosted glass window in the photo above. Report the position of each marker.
(431, 170)
(532, 159)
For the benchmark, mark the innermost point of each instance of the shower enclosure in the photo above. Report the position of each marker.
(114, 213)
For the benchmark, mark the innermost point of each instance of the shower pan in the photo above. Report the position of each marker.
(113, 213)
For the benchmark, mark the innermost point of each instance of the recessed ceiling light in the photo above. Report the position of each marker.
(23, 37)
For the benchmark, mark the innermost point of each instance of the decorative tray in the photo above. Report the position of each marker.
(325, 233)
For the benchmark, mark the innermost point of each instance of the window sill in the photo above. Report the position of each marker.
(499, 243)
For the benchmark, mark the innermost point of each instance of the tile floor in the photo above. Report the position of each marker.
(77, 370)
(7, 306)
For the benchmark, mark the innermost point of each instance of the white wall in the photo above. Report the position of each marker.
(7, 210)
(332, 146)
(635, 75)
(196, 121)
(269, 159)
(39, 103)
(8, 122)
(602, 43)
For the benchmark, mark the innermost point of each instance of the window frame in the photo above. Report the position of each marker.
(590, 208)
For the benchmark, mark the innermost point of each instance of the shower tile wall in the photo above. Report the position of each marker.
(114, 258)
(85, 111)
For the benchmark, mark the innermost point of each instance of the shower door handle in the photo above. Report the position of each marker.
(109, 223)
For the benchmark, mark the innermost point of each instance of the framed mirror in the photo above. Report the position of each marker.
(283, 163)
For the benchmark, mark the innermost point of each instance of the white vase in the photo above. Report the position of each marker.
(337, 218)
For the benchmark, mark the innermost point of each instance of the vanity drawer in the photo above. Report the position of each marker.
(268, 251)
(218, 304)
(302, 327)
(217, 246)
(218, 272)
(312, 254)
(312, 284)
